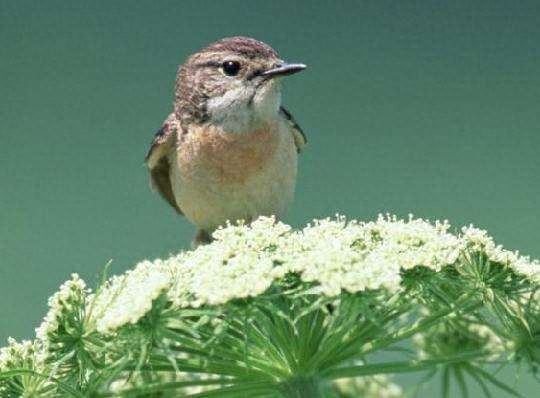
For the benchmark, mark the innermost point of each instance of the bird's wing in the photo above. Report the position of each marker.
(157, 159)
(300, 138)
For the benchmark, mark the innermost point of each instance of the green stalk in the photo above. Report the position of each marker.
(301, 387)
(399, 366)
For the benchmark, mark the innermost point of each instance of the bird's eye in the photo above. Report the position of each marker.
(231, 68)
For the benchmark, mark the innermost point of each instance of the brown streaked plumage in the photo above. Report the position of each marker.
(157, 160)
(228, 151)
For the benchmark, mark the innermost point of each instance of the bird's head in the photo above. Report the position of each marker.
(234, 83)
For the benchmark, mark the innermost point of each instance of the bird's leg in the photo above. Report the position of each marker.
(202, 238)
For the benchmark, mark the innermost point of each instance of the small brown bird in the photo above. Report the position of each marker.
(228, 151)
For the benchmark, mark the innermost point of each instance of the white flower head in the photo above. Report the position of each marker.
(24, 354)
(334, 255)
(470, 336)
(353, 256)
(478, 240)
(239, 264)
(127, 298)
(70, 298)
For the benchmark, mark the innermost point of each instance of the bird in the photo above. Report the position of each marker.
(228, 151)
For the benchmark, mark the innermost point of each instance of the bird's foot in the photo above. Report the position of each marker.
(202, 238)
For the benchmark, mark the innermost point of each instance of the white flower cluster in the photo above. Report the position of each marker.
(491, 341)
(68, 298)
(353, 256)
(127, 298)
(239, 264)
(479, 240)
(19, 355)
(434, 342)
(334, 254)
(378, 386)
(23, 355)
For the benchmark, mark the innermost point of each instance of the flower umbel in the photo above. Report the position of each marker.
(266, 310)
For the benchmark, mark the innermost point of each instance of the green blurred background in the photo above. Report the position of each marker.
(429, 107)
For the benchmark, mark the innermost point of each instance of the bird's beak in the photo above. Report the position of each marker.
(284, 70)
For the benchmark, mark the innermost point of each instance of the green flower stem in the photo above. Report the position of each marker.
(399, 367)
(422, 324)
(301, 387)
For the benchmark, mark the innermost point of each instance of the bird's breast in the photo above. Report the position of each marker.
(218, 176)
(210, 153)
